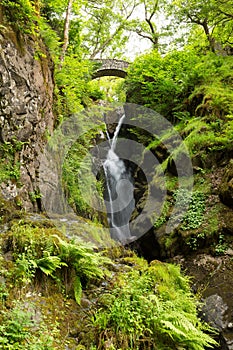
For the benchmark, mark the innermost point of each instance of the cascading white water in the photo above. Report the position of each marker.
(119, 185)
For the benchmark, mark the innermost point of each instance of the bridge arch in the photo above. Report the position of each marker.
(110, 67)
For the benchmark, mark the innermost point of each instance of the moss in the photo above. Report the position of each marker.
(202, 182)
(8, 211)
(226, 186)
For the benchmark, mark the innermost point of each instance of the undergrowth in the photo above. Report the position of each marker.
(19, 330)
(151, 307)
(38, 252)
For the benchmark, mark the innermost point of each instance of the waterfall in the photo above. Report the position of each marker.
(120, 203)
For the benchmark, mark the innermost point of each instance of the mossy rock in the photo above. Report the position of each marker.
(226, 186)
(226, 221)
(8, 211)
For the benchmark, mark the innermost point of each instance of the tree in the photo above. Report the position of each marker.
(214, 17)
(64, 19)
(144, 25)
(104, 29)
(66, 31)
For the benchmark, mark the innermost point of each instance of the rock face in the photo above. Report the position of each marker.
(226, 187)
(212, 277)
(26, 117)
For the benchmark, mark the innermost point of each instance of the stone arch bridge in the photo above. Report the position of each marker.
(110, 67)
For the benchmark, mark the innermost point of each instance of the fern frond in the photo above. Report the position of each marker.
(171, 329)
(48, 264)
(77, 290)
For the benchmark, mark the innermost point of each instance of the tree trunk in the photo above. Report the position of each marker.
(211, 40)
(66, 32)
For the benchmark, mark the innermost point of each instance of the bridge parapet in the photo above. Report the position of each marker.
(111, 67)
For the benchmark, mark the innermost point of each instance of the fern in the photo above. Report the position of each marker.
(87, 263)
(77, 289)
(154, 303)
(172, 330)
(48, 264)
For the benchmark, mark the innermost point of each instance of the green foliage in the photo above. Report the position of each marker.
(222, 245)
(213, 19)
(38, 249)
(204, 136)
(10, 167)
(161, 83)
(182, 84)
(111, 88)
(80, 184)
(196, 207)
(151, 308)
(49, 264)
(194, 240)
(29, 239)
(50, 38)
(87, 264)
(103, 27)
(18, 331)
(34, 196)
(77, 289)
(72, 80)
(21, 15)
(163, 216)
(33, 251)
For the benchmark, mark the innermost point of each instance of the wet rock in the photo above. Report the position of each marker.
(112, 118)
(9, 190)
(214, 311)
(229, 251)
(147, 246)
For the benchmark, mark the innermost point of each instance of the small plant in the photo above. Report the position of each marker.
(222, 246)
(163, 217)
(194, 241)
(196, 207)
(34, 196)
(18, 331)
(3, 292)
(21, 14)
(39, 250)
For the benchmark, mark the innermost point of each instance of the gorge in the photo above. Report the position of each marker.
(116, 211)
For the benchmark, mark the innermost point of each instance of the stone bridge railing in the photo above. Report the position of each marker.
(110, 67)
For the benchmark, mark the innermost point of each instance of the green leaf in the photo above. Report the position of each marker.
(77, 290)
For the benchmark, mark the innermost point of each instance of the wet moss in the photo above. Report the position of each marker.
(8, 211)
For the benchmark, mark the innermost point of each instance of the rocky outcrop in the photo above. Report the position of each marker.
(212, 277)
(26, 116)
